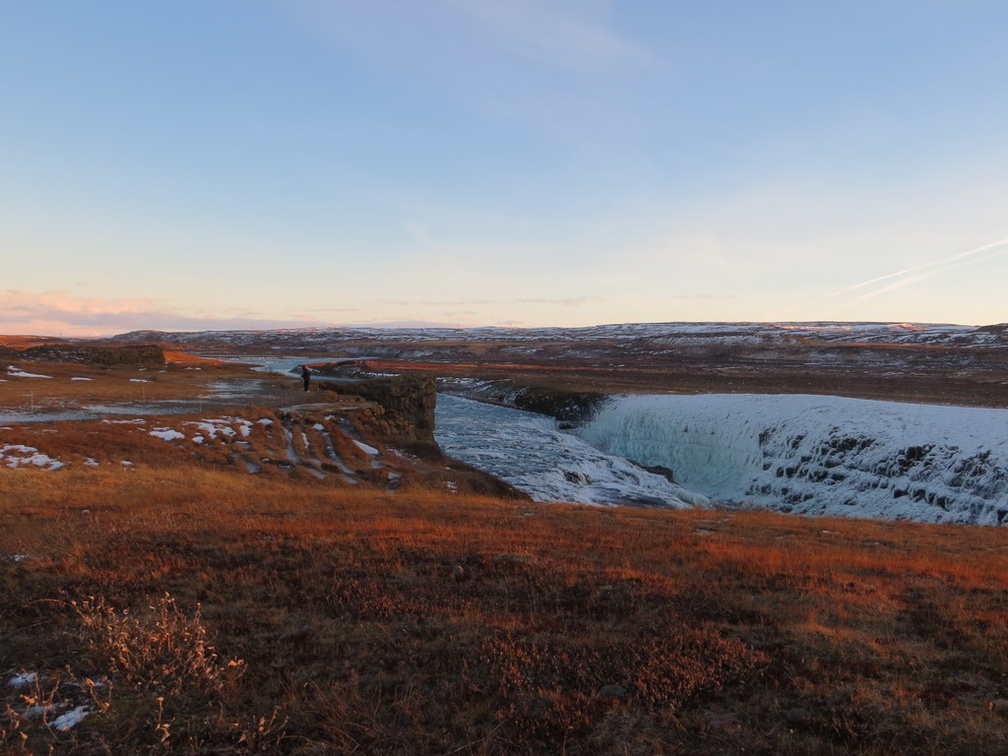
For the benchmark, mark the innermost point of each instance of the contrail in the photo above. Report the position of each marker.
(951, 264)
(905, 271)
(895, 286)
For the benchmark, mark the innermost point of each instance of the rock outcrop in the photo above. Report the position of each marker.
(409, 400)
(89, 354)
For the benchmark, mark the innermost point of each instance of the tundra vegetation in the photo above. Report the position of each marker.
(180, 604)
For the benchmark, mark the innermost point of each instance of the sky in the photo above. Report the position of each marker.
(299, 163)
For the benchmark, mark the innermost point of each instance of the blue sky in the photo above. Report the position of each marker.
(500, 162)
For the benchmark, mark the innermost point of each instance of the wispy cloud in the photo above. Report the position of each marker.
(63, 313)
(551, 65)
(560, 301)
(568, 302)
(908, 276)
(571, 35)
(25, 306)
(60, 312)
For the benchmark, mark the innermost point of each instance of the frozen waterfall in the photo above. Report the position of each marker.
(820, 454)
(527, 451)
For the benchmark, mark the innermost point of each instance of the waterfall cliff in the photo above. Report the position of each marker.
(820, 454)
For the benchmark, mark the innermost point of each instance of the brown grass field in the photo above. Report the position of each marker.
(191, 607)
(71, 385)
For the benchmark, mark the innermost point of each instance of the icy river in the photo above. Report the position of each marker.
(527, 451)
(792, 453)
(816, 455)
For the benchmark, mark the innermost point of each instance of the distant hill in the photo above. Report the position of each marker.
(668, 334)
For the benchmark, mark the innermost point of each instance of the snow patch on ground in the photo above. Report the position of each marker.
(63, 722)
(369, 450)
(167, 434)
(62, 709)
(16, 372)
(210, 428)
(24, 679)
(18, 455)
(72, 718)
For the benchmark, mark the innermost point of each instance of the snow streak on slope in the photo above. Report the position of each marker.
(669, 334)
(820, 454)
(527, 451)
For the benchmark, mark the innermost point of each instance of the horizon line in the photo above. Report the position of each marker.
(421, 326)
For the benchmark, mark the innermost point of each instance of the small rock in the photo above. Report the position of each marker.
(459, 573)
(613, 691)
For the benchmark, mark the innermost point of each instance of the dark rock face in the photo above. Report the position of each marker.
(564, 405)
(86, 354)
(408, 398)
(665, 472)
(568, 407)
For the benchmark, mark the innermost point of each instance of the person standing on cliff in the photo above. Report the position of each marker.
(305, 376)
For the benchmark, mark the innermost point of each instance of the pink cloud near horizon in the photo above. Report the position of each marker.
(61, 313)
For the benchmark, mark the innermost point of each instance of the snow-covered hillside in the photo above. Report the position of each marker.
(819, 454)
(655, 334)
